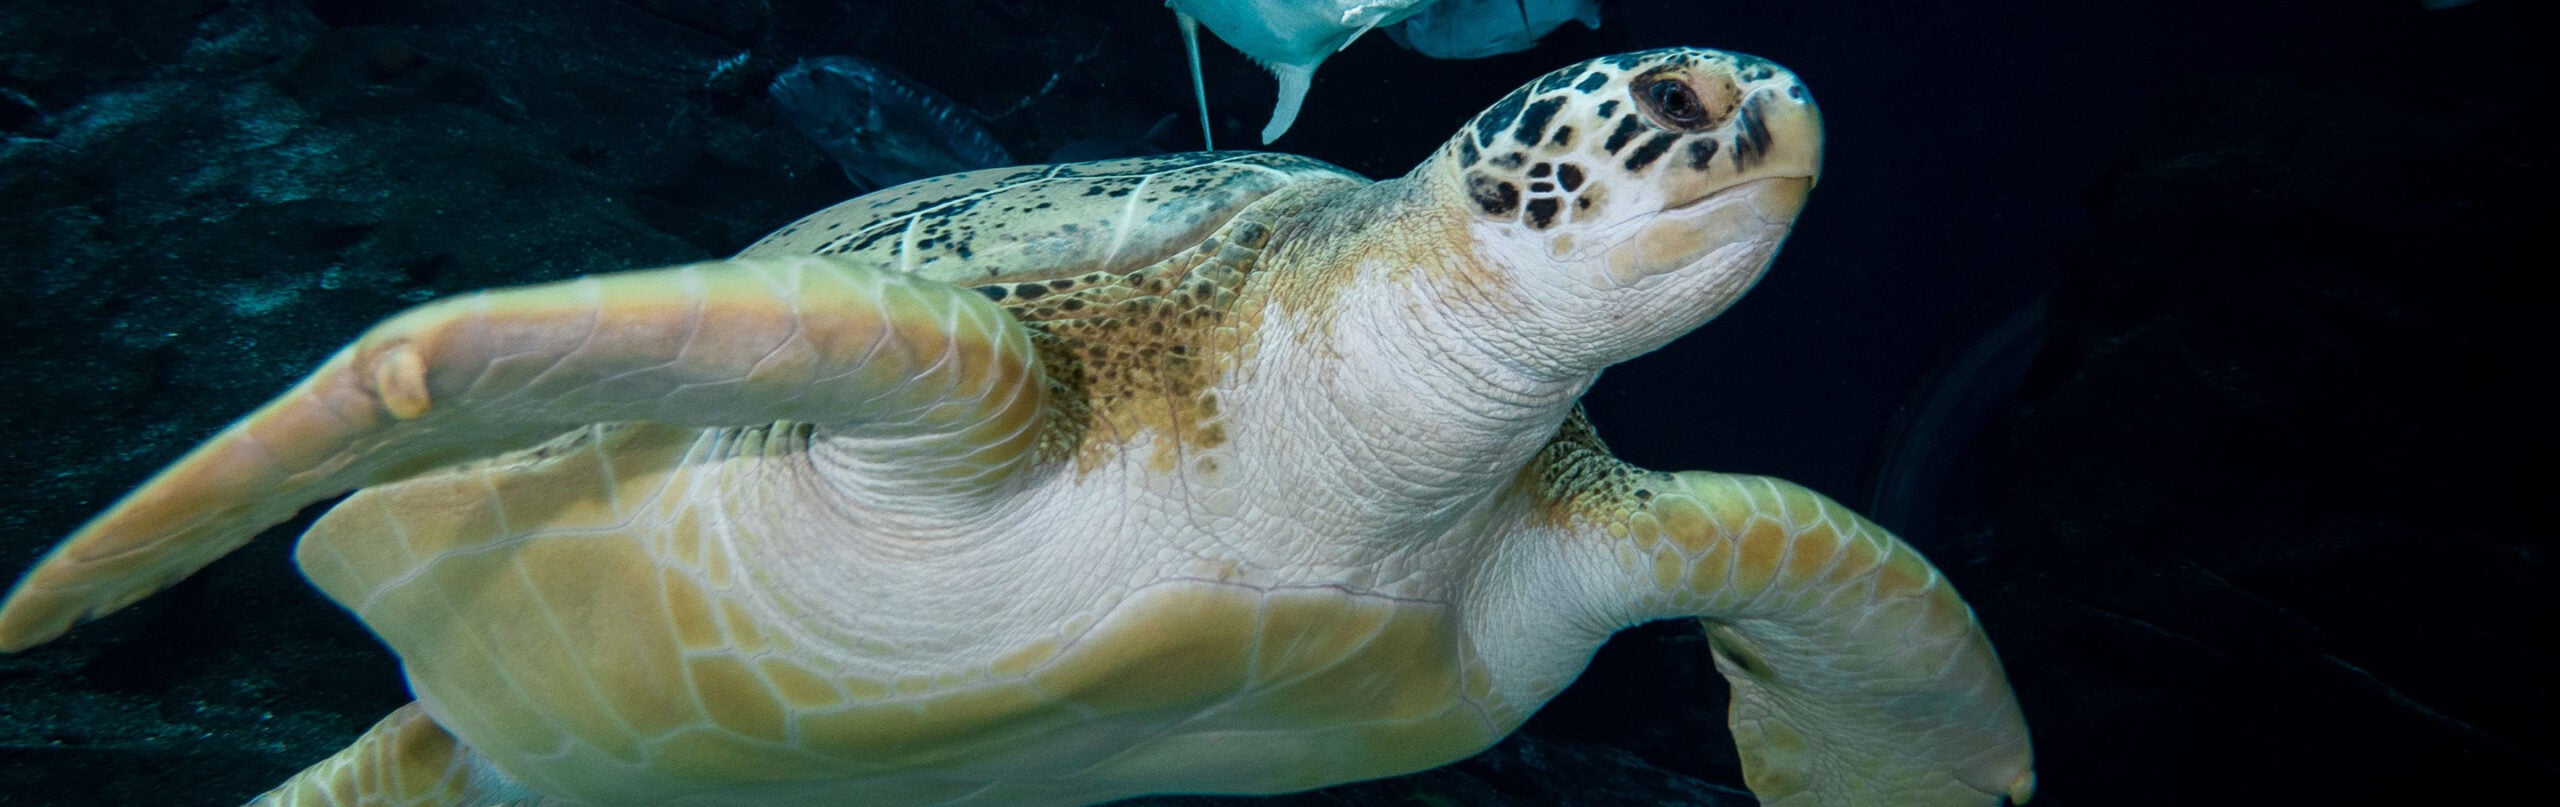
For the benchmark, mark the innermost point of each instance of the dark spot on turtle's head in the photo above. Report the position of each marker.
(1592, 81)
(1030, 291)
(1541, 169)
(1652, 149)
(995, 293)
(1607, 109)
(1701, 151)
(1570, 176)
(1563, 137)
(1542, 212)
(1557, 80)
(1534, 120)
(1627, 129)
(1500, 116)
(1493, 196)
(1467, 153)
(1751, 139)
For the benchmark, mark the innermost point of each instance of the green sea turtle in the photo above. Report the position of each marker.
(1222, 472)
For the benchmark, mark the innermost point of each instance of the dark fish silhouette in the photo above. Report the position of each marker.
(881, 127)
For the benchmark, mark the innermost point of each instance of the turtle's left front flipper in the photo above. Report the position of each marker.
(1859, 677)
(941, 370)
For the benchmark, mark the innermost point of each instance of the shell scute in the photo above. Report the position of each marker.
(1036, 224)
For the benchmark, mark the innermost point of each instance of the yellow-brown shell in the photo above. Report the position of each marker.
(1047, 222)
(1126, 271)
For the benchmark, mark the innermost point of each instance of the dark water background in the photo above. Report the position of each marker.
(2262, 517)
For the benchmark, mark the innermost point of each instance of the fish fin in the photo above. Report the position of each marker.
(1294, 80)
(1199, 89)
(1355, 36)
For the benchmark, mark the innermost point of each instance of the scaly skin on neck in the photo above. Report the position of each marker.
(1393, 366)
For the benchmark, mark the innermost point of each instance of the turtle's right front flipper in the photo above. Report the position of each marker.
(727, 343)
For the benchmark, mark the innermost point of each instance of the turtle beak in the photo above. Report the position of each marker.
(1739, 176)
(1783, 130)
(1754, 216)
(1762, 125)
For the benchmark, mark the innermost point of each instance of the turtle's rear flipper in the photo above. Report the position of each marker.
(939, 369)
(406, 760)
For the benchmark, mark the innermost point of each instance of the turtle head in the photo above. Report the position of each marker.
(1631, 198)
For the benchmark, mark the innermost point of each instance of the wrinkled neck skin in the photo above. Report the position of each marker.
(1442, 371)
(1400, 370)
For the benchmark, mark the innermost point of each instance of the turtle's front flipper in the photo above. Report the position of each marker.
(941, 371)
(1859, 677)
(406, 760)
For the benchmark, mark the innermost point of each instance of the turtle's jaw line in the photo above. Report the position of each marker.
(1754, 215)
(1778, 199)
(1749, 192)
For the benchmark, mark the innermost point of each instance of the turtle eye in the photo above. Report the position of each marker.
(1673, 102)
